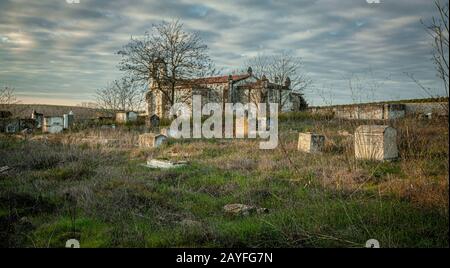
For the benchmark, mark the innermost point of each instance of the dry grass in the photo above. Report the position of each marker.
(326, 199)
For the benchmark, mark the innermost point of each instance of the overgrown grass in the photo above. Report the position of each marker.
(59, 187)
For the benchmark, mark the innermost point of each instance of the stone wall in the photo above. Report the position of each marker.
(440, 108)
(381, 111)
(373, 111)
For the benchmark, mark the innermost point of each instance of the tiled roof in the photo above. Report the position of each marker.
(220, 79)
(259, 83)
(225, 79)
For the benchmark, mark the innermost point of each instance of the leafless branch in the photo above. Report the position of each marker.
(166, 57)
(277, 68)
(437, 28)
(7, 96)
(123, 94)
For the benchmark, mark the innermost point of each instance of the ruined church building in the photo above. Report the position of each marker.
(242, 88)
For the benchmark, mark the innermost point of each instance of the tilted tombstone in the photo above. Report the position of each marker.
(376, 142)
(310, 142)
(151, 140)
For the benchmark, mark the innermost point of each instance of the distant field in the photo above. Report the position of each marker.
(25, 110)
(61, 187)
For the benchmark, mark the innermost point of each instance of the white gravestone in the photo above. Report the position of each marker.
(376, 142)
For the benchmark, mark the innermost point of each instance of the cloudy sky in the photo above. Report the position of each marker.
(55, 52)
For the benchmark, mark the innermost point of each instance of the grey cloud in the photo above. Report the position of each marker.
(69, 50)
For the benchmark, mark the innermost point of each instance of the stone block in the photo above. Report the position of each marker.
(151, 140)
(376, 142)
(164, 164)
(310, 142)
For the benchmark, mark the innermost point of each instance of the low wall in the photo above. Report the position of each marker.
(379, 111)
(439, 108)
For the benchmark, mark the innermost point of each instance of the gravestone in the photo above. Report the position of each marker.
(68, 120)
(310, 142)
(151, 140)
(154, 121)
(157, 163)
(53, 124)
(376, 142)
(169, 132)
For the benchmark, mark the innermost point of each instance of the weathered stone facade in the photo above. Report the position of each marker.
(244, 88)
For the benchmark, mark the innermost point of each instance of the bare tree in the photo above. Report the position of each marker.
(167, 56)
(123, 94)
(277, 68)
(437, 28)
(7, 97)
(9, 102)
